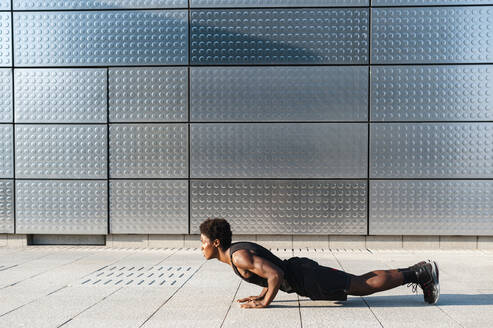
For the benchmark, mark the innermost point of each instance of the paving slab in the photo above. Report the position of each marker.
(352, 313)
(48, 290)
(203, 301)
(114, 310)
(28, 290)
(285, 306)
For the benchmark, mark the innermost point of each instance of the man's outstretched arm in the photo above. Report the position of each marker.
(263, 268)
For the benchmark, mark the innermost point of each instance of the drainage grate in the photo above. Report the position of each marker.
(154, 276)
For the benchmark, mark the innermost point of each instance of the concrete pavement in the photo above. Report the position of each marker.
(80, 286)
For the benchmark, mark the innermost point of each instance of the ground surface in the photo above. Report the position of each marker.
(78, 286)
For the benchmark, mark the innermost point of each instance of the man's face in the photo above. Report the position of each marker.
(207, 248)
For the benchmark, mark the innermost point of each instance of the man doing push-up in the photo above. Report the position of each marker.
(256, 264)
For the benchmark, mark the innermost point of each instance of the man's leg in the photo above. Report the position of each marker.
(424, 274)
(375, 281)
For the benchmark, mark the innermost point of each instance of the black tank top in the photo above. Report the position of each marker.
(265, 254)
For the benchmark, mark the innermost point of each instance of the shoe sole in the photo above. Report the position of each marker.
(436, 282)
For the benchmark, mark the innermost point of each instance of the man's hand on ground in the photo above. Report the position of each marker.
(250, 298)
(252, 304)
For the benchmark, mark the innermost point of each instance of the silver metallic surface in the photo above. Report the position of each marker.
(282, 207)
(61, 151)
(148, 94)
(6, 95)
(282, 150)
(279, 93)
(429, 2)
(60, 95)
(431, 150)
(432, 35)
(148, 151)
(150, 207)
(61, 207)
(97, 4)
(6, 206)
(4, 4)
(5, 40)
(279, 36)
(432, 93)
(6, 151)
(101, 38)
(431, 207)
(276, 3)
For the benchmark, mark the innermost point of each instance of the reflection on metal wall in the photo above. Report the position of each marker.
(280, 150)
(276, 3)
(279, 93)
(148, 151)
(60, 95)
(97, 4)
(432, 93)
(6, 206)
(432, 35)
(126, 116)
(60, 151)
(6, 151)
(431, 207)
(5, 40)
(282, 206)
(100, 38)
(148, 94)
(5, 95)
(61, 207)
(295, 36)
(147, 206)
(431, 150)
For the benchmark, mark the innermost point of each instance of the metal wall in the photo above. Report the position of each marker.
(283, 116)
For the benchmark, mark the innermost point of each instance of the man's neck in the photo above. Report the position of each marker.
(223, 256)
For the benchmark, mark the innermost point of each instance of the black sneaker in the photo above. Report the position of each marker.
(427, 274)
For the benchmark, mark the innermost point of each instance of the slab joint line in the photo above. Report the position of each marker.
(230, 304)
(174, 293)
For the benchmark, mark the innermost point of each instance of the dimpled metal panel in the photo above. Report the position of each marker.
(279, 93)
(432, 35)
(60, 95)
(6, 206)
(6, 151)
(148, 94)
(426, 150)
(5, 40)
(275, 3)
(310, 150)
(432, 93)
(97, 4)
(149, 206)
(149, 151)
(282, 207)
(4, 4)
(277, 36)
(429, 2)
(60, 151)
(431, 207)
(101, 38)
(6, 95)
(61, 207)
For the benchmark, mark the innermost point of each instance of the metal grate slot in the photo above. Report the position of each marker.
(139, 276)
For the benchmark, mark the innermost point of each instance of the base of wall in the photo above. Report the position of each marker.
(269, 241)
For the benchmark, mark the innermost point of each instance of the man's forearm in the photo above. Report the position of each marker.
(273, 287)
(263, 292)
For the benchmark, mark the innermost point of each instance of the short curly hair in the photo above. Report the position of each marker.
(217, 229)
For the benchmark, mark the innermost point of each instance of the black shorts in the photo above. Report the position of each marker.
(308, 278)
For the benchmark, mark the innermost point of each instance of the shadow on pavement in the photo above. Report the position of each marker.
(393, 301)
